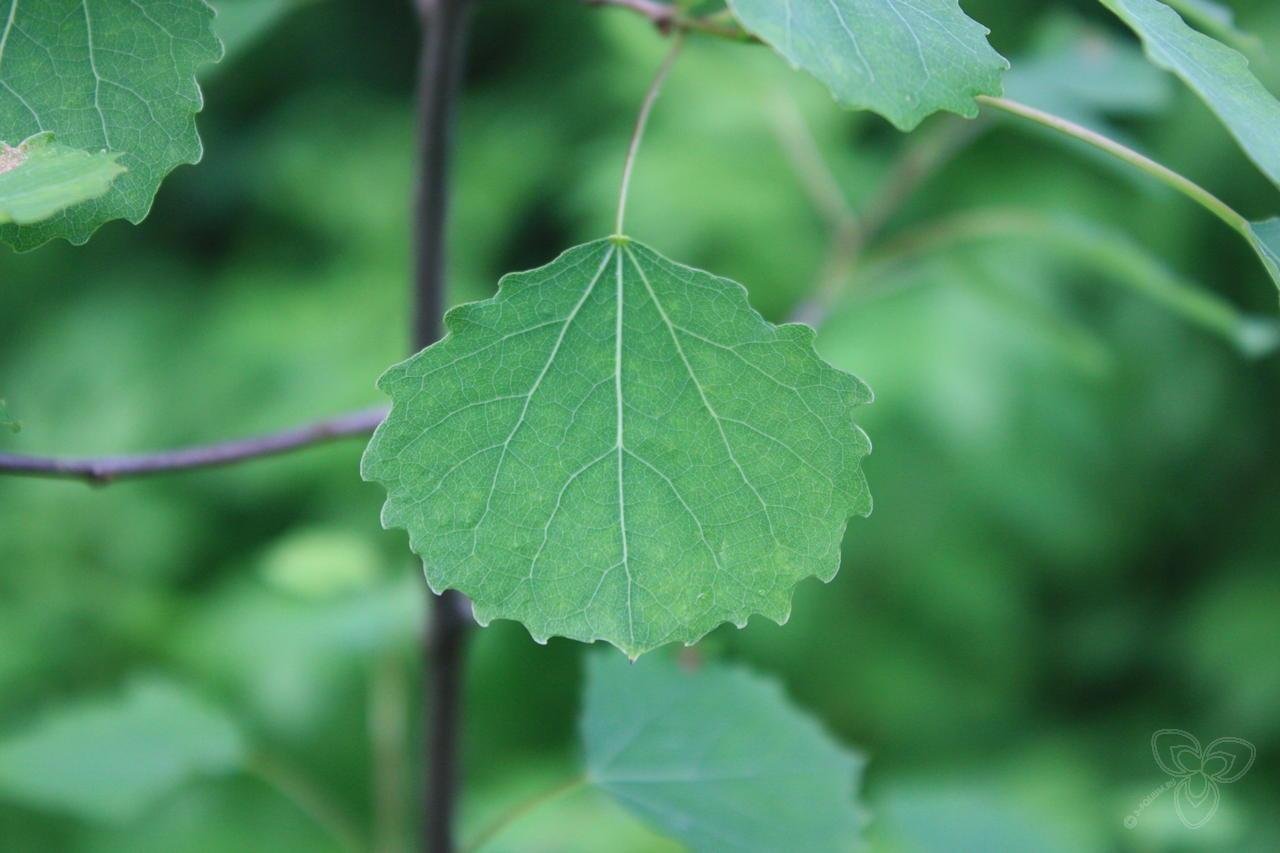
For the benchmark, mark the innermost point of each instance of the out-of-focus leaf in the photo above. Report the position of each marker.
(942, 821)
(321, 563)
(619, 447)
(1124, 262)
(902, 60)
(7, 421)
(1217, 19)
(598, 821)
(1085, 74)
(717, 758)
(105, 75)
(111, 758)
(1218, 74)
(38, 178)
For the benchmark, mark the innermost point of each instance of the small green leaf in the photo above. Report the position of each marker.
(618, 447)
(904, 60)
(1218, 74)
(38, 178)
(113, 75)
(718, 759)
(109, 759)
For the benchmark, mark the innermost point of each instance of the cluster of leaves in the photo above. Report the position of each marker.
(637, 456)
(584, 460)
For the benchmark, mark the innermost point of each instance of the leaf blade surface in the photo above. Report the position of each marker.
(618, 447)
(113, 75)
(904, 59)
(718, 758)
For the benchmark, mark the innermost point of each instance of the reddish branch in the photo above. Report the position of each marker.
(104, 470)
(667, 18)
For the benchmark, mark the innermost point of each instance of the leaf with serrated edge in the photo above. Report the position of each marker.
(904, 59)
(718, 758)
(617, 447)
(38, 178)
(113, 75)
(111, 758)
(1215, 72)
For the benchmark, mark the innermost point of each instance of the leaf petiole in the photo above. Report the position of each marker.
(642, 120)
(1164, 174)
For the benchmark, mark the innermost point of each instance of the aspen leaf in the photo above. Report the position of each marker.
(105, 75)
(717, 758)
(904, 60)
(619, 447)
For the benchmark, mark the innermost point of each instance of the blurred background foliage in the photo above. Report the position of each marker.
(1075, 539)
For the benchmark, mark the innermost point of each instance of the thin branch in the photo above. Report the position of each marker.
(851, 232)
(642, 121)
(668, 19)
(109, 469)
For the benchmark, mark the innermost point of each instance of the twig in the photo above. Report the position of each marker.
(851, 233)
(104, 470)
(669, 19)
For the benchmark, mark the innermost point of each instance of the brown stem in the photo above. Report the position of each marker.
(667, 18)
(108, 469)
(439, 77)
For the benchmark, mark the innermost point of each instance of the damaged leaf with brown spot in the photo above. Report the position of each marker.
(39, 178)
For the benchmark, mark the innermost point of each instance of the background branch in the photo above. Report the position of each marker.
(108, 469)
(439, 81)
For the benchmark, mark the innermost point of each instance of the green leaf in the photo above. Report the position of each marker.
(717, 758)
(109, 759)
(1217, 20)
(38, 178)
(321, 563)
(618, 447)
(6, 421)
(1218, 74)
(904, 60)
(114, 75)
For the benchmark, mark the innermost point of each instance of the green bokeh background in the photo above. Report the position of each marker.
(1077, 494)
